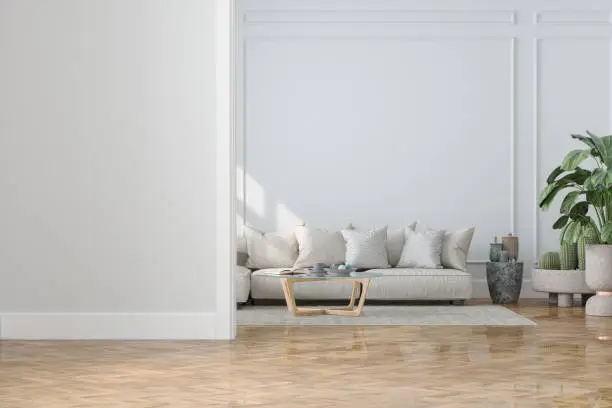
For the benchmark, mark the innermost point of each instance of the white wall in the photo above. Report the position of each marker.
(107, 168)
(450, 112)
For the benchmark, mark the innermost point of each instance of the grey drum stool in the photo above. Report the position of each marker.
(561, 285)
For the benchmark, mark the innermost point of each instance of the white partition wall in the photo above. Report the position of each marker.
(108, 176)
(449, 112)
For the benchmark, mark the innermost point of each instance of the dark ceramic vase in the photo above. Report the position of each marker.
(505, 280)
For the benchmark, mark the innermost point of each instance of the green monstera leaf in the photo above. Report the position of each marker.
(574, 159)
(554, 174)
(561, 222)
(569, 200)
(586, 207)
(579, 210)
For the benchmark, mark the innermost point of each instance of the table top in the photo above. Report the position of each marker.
(304, 275)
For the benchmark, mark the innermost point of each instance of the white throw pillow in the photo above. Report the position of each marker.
(270, 250)
(395, 243)
(455, 247)
(422, 249)
(366, 249)
(318, 245)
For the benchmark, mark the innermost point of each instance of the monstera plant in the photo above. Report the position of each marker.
(587, 204)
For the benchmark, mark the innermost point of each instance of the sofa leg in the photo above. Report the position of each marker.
(565, 300)
(553, 299)
(458, 302)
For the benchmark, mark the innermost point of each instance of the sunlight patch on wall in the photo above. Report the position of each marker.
(285, 217)
(256, 197)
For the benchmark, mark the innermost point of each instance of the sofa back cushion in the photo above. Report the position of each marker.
(366, 249)
(422, 249)
(395, 241)
(455, 246)
(318, 245)
(270, 250)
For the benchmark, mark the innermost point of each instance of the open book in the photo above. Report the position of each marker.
(285, 272)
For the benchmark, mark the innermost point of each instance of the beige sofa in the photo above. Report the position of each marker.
(396, 284)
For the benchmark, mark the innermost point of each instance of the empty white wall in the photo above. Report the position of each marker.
(107, 168)
(450, 112)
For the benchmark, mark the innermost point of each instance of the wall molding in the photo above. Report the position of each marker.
(111, 326)
(536, 144)
(225, 262)
(379, 16)
(412, 38)
(537, 43)
(512, 132)
(584, 17)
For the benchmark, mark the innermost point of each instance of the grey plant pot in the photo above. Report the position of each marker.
(598, 275)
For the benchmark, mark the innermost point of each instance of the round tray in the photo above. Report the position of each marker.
(311, 273)
(340, 272)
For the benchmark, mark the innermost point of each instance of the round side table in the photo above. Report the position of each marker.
(505, 280)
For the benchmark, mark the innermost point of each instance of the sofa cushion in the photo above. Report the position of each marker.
(422, 249)
(455, 246)
(270, 250)
(318, 245)
(395, 242)
(366, 249)
(269, 287)
(420, 284)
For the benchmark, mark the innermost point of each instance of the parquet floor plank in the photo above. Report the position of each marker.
(565, 361)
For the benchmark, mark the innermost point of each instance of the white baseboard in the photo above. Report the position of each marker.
(107, 326)
(480, 290)
(144, 326)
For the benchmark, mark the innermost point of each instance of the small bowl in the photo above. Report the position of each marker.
(318, 272)
(339, 272)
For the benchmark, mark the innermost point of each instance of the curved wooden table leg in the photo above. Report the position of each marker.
(351, 304)
(350, 310)
(365, 282)
(290, 299)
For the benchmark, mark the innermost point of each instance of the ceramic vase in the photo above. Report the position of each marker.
(495, 252)
(511, 244)
(598, 276)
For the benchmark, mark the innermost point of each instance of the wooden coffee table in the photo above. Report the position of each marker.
(358, 278)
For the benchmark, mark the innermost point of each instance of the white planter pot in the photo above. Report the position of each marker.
(598, 275)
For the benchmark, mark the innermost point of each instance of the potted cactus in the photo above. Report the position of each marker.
(586, 213)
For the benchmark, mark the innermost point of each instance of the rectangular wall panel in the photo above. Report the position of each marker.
(376, 131)
(450, 112)
(573, 91)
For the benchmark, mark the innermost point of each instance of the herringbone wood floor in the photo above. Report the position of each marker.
(565, 361)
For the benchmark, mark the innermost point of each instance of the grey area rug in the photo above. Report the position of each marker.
(478, 315)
